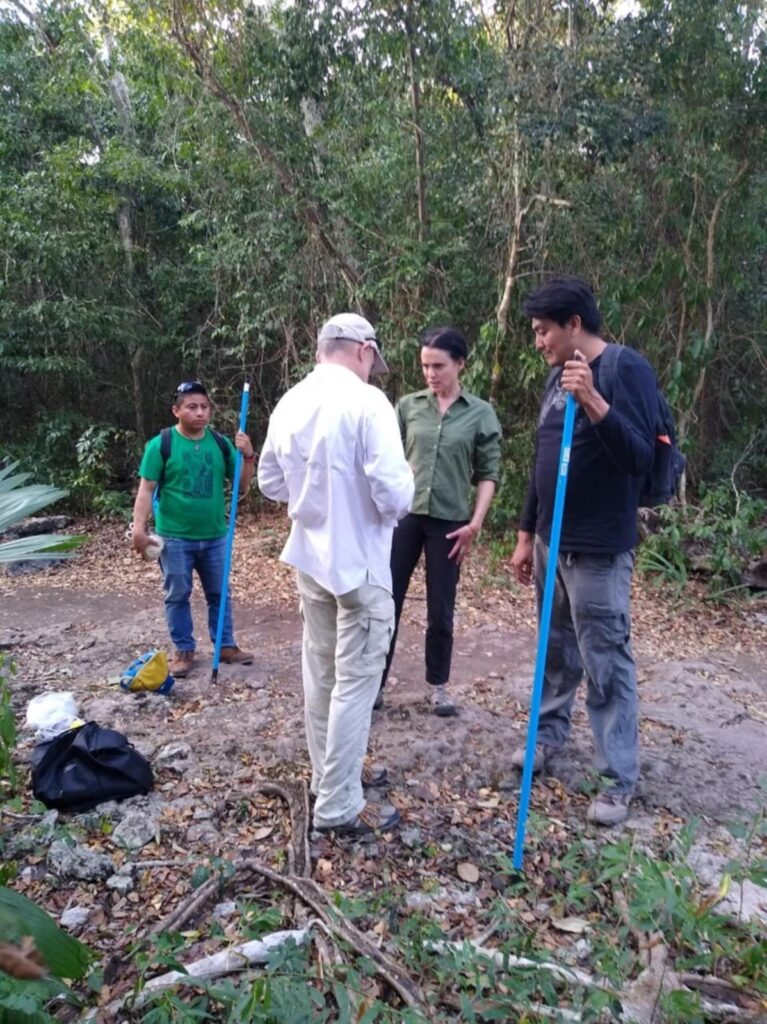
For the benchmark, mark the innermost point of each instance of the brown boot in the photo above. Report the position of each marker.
(234, 656)
(181, 664)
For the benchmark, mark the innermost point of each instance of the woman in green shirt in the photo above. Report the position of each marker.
(452, 441)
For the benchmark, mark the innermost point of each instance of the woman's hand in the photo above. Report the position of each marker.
(464, 538)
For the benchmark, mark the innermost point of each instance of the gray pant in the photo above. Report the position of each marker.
(590, 631)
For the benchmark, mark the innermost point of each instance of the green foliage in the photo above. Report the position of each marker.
(718, 537)
(208, 229)
(24, 1001)
(16, 503)
(64, 956)
(9, 775)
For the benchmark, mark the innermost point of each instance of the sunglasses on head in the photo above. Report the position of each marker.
(191, 385)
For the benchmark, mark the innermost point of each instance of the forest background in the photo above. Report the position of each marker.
(190, 187)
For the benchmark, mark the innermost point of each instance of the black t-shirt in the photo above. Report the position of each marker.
(608, 462)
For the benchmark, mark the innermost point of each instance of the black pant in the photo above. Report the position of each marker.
(413, 535)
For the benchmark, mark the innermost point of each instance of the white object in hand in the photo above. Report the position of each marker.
(154, 548)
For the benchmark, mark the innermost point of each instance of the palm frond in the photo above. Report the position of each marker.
(45, 545)
(16, 503)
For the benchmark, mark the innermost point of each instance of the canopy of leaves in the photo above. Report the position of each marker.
(190, 189)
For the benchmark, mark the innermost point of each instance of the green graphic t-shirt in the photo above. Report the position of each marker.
(192, 504)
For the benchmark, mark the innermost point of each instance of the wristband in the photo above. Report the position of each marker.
(250, 458)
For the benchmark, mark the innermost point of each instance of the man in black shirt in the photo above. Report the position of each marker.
(612, 451)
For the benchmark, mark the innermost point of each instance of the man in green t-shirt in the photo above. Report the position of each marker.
(191, 519)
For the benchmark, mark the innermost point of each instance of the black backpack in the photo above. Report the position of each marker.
(660, 485)
(86, 766)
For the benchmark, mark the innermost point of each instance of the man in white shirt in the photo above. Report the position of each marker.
(333, 452)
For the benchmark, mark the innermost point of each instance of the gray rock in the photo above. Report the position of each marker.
(75, 917)
(107, 709)
(33, 526)
(108, 811)
(121, 883)
(135, 830)
(711, 858)
(285, 748)
(31, 838)
(441, 897)
(78, 862)
(28, 566)
(177, 757)
(224, 910)
(203, 832)
(410, 837)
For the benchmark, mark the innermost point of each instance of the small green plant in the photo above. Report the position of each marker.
(8, 770)
(716, 538)
(98, 448)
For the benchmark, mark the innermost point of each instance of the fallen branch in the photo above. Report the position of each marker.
(721, 991)
(228, 961)
(20, 817)
(508, 960)
(296, 796)
(186, 910)
(316, 898)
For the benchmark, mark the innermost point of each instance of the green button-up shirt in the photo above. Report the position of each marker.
(448, 453)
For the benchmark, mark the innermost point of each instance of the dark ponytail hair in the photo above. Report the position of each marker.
(448, 339)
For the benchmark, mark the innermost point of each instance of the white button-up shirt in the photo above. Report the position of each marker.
(333, 452)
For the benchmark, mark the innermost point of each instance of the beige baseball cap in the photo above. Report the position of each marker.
(351, 327)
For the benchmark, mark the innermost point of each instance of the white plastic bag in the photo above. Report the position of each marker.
(51, 713)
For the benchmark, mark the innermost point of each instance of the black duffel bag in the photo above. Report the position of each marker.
(86, 766)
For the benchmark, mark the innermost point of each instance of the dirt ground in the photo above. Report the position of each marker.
(702, 669)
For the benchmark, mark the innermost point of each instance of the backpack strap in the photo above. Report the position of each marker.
(166, 443)
(607, 371)
(224, 447)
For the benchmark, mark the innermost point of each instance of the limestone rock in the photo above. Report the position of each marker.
(135, 830)
(177, 757)
(78, 862)
(74, 917)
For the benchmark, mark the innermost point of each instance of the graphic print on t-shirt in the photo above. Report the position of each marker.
(553, 398)
(198, 474)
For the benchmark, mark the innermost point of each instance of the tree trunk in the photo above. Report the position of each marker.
(415, 102)
(309, 212)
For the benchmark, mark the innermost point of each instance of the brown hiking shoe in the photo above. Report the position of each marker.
(609, 808)
(181, 664)
(234, 656)
(542, 754)
(372, 818)
(373, 775)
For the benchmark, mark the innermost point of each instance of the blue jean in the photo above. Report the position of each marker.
(591, 633)
(179, 559)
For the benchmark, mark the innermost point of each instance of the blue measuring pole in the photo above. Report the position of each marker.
(543, 631)
(230, 537)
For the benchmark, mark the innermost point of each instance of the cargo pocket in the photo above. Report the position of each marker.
(605, 627)
(379, 632)
(602, 641)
